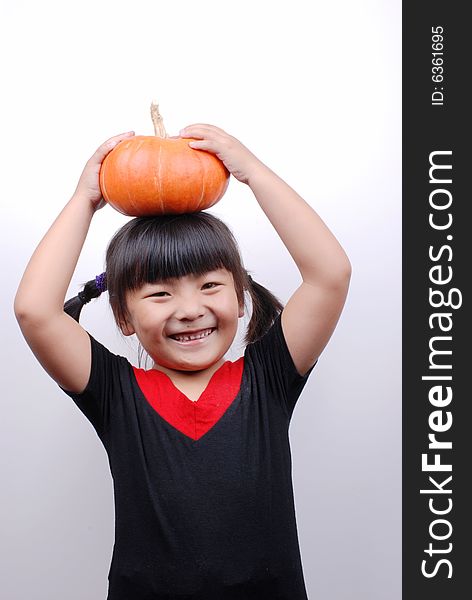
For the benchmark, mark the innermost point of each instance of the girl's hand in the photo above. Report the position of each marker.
(237, 158)
(89, 185)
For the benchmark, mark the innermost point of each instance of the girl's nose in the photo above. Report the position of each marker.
(190, 309)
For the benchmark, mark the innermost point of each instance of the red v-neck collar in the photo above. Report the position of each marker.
(192, 418)
(209, 385)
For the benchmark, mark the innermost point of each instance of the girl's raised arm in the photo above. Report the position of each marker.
(311, 314)
(59, 343)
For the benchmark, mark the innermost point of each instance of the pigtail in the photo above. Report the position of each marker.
(265, 309)
(92, 289)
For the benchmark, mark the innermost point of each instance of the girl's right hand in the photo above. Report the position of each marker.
(89, 185)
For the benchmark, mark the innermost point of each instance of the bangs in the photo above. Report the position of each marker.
(174, 249)
(173, 246)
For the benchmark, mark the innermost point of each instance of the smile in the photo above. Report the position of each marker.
(193, 337)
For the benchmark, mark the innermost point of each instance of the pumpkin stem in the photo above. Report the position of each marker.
(159, 129)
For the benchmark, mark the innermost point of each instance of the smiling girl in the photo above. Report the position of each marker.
(198, 445)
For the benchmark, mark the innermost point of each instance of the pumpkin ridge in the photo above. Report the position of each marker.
(102, 181)
(202, 172)
(127, 188)
(159, 181)
(128, 164)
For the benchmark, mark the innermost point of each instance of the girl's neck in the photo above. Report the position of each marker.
(203, 374)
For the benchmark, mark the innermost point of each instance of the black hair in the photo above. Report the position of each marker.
(153, 249)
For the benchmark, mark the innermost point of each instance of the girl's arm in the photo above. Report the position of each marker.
(59, 343)
(311, 314)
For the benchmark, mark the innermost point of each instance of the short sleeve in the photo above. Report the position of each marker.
(95, 401)
(272, 359)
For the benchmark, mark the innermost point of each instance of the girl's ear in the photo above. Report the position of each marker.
(241, 310)
(126, 328)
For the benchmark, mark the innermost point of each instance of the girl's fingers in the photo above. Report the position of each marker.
(200, 130)
(122, 135)
(107, 146)
(116, 139)
(205, 137)
(202, 145)
(201, 125)
(209, 138)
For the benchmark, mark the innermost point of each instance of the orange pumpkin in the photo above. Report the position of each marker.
(154, 175)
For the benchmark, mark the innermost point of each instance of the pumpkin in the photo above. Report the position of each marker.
(156, 175)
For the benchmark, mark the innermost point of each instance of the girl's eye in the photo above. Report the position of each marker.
(212, 283)
(158, 294)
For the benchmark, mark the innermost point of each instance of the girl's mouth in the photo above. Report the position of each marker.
(193, 338)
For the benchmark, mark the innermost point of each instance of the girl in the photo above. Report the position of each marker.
(198, 446)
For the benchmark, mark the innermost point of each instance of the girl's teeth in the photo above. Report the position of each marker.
(197, 336)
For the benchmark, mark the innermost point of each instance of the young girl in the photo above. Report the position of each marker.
(198, 446)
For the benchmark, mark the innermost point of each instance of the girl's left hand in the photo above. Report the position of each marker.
(239, 161)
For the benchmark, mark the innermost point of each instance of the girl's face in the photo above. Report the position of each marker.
(166, 316)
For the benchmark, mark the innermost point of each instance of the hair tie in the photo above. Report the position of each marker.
(83, 297)
(101, 282)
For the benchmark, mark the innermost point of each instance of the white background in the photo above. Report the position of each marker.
(314, 90)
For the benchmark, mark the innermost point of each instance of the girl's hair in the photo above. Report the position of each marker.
(152, 249)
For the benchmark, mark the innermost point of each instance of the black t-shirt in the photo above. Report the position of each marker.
(211, 518)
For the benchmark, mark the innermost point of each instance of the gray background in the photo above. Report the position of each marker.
(314, 90)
